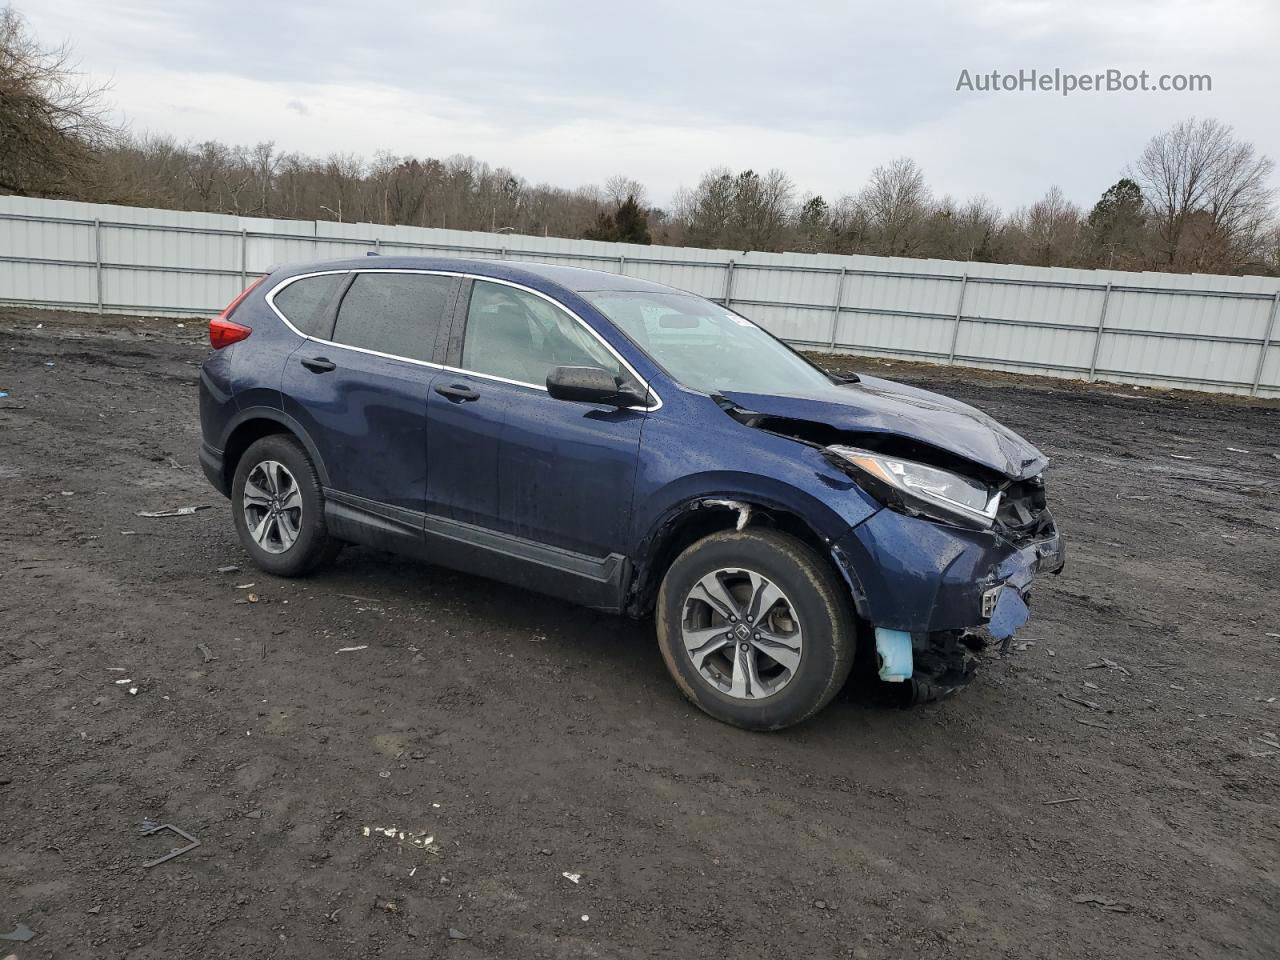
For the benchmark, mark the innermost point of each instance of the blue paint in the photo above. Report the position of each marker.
(3, 394)
(1010, 614)
(894, 648)
(596, 481)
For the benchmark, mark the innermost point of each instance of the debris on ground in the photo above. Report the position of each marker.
(363, 646)
(352, 596)
(456, 934)
(1237, 450)
(572, 877)
(1103, 903)
(417, 838)
(229, 568)
(1050, 803)
(179, 512)
(21, 933)
(1084, 703)
(148, 828)
(1104, 663)
(1092, 723)
(206, 652)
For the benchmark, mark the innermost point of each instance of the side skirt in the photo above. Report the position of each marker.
(599, 583)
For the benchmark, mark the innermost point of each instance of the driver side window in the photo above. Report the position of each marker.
(517, 336)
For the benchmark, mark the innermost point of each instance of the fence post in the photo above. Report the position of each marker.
(728, 285)
(244, 258)
(97, 259)
(1097, 339)
(835, 311)
(622, 264)
(1266, 344)
(955, 330)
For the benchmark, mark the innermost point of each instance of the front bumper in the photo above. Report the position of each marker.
(918, 576)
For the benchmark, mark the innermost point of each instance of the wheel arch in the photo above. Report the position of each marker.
(698, 517)
(253, 424)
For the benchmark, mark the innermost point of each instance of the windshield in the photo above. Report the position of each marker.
(706, 347)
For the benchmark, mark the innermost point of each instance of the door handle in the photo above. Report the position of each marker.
(458, 392)
(319, 364)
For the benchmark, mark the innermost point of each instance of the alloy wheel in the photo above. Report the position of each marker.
(741, 633)
(272, 506)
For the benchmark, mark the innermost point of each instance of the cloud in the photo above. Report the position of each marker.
(664, 90)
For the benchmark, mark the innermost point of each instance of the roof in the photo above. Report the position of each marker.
(537, 275)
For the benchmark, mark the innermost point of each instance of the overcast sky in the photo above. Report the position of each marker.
(571, 93)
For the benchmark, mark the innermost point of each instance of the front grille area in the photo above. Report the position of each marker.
(1022, 517)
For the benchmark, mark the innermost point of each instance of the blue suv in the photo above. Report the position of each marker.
(632, 448)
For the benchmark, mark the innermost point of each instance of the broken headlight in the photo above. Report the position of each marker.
(920, 488)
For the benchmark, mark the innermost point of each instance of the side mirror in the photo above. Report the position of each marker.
(592, 385)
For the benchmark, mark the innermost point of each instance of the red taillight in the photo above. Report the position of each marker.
(222, 332)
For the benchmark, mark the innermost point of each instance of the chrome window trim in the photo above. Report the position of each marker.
(271, 302)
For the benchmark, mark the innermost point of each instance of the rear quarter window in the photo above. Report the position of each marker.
(305, 302)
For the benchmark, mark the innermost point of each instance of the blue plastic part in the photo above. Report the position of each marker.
(894, 647)
(1010, 613)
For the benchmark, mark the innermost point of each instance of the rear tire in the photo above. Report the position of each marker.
(755, 628)
(277, 504)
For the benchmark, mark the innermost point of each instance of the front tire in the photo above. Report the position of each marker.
(755, 628)
(278, 507)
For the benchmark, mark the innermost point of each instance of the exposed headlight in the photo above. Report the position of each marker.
(922, 488)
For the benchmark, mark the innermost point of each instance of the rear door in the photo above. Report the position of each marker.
(359, 387)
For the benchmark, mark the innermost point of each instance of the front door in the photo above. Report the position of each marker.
(563, 472)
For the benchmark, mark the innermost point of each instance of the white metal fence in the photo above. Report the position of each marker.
(1204, 332)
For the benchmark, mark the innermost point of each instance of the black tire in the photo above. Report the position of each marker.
(313, 547)
(821, 610)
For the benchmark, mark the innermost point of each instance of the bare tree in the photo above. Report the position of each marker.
(707, 209)
(1049, 231)
(618, 188)
(1208, 194)
(51, 117)
(896, 204)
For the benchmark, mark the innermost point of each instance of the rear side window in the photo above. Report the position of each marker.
(395, 313)
(304, 302)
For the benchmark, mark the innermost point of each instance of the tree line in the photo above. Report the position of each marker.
(1197, 199)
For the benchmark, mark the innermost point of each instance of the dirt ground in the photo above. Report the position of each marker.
(1111, 790)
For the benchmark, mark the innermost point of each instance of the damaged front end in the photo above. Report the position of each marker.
(946, 565)
(938, 589)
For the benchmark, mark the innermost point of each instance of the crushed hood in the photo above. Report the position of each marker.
(873, 405)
